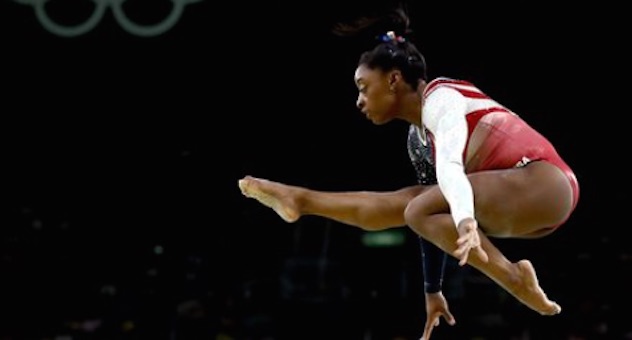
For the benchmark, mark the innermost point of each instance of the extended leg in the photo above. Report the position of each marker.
(364, 209)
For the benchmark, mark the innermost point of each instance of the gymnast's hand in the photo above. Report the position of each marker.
(468, 240)
(436, 307)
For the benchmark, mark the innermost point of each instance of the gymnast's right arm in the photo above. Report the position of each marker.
(433, 260)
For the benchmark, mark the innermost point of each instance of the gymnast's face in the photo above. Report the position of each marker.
(376, 94)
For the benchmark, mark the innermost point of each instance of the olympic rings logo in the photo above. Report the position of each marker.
(99, 10)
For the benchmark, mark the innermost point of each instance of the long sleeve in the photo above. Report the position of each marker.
(432, 257)
(434, 260)
(444, 116)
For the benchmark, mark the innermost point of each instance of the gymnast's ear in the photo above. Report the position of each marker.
(394, 76)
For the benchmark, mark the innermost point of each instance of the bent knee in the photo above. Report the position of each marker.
(415, 219)
(410, 215)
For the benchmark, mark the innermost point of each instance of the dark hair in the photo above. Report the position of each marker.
(389, 54)
(398, 54)
(374, 21)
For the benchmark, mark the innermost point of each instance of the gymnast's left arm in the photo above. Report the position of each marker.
(446, 109)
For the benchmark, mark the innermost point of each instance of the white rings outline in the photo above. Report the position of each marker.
(95, 18)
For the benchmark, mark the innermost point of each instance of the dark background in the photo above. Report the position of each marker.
(122, 218)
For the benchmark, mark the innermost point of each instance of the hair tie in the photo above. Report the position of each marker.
(391, 36)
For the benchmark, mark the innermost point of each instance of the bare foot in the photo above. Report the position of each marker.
(271, 194)
(530, 293)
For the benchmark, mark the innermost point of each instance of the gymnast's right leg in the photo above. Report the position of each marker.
(368, 210)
